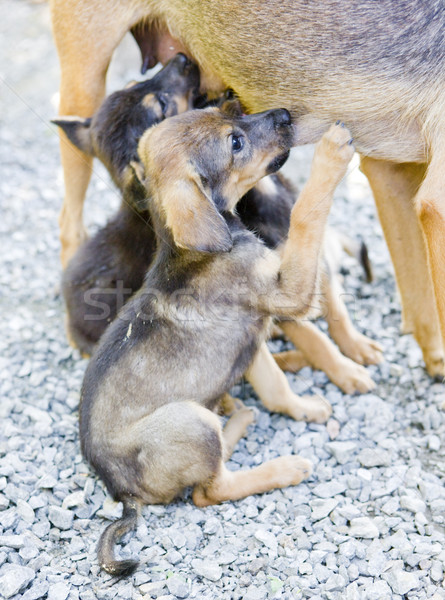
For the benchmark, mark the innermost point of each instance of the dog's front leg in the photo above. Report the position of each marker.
(85, 41)
(296, 282)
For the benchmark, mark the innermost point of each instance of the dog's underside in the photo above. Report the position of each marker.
(379, 66)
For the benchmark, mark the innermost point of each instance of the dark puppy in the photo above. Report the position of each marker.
(110, 267)
(199, 322)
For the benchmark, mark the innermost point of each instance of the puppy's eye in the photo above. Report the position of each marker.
(163, 101)
(237, 143)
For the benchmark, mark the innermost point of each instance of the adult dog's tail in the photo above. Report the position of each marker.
(112, 534)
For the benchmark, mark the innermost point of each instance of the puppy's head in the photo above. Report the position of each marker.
(199, 164)
(113, 133)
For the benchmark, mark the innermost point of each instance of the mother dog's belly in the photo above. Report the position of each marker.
(389, 138)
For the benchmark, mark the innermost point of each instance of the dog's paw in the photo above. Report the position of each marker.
(334, 152)
(351, 377)
(247, 415)
(361, 349)
(293, 470)
(313, 409)
(434, 363)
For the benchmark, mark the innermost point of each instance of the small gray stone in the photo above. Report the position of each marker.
(436, 572)
(153, 588)
(341, 451)
(25, 511)
(413, 504)
(207, 569)
(400, 581)
(58, 591)
(177, 586)
(12, 541)
(179, 539)
(60, 517)
(335, 583)
(434, 443)
(4, 502)
(370, 457)
(36, 591)
(363, 527)
(322, 508)
(378, 590)
(330, 489)
(254, 592)
(267, 538)
(256, 565)
(14, 579)
(173, 556)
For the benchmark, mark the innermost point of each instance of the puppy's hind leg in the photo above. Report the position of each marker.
(271, 385)
(235, 429)
(291, 360)
(322, 354)
(351, 342)
(233, 485)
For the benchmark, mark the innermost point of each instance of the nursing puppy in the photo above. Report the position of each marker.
(109, 267)
(379, 66)
(199, 322)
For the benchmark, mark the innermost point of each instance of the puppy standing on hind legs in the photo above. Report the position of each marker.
(147, 424)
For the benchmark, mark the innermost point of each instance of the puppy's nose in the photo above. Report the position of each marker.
(281, 117)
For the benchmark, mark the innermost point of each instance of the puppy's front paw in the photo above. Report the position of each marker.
(293, 470)
(334, 152)
(314, 409)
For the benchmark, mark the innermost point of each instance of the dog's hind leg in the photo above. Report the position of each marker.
(233, 485)
(430, 208)
(351, 342)
(273, 389)
(85, 40)
(394, 187)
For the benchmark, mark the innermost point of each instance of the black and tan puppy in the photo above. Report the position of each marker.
(199, 322)
(108, 268)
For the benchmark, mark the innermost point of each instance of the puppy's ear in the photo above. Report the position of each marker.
(232, 108)
(139, 171)
(194, 219)
(78, 131)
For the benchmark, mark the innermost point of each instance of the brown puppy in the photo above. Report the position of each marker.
(378, 65)
(200, 320)
(108, 268)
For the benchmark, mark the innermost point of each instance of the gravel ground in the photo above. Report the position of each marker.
(369, 524)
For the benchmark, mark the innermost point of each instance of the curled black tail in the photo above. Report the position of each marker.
(110, 537)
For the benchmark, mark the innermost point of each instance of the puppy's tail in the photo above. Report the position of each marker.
(112, 534)
(359, 251)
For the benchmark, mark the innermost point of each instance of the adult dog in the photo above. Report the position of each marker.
(377, 65)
